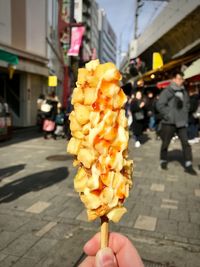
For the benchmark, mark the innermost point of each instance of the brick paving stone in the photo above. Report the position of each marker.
(194, 241)
(141, 207)
(60, 231)
(19, 246)
(45, 229)
(7, 237)
(167, 226)
(64, 254)
(25, 262)
(170, 201)
(195, 217)
(9, 261)
(189, 230)
(40, 249)
(82, 216)
(160, 213)
(11, 223)
(168, 206)
(2, 256)
(179, 215)
(197, 192)
(175, 238)
(157, 187)
(38, 207)
(32, 226)
(145, 223)
(72, 209)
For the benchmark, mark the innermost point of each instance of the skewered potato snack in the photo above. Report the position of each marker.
(100, 141)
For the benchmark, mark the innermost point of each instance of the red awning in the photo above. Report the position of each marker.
(163, 84)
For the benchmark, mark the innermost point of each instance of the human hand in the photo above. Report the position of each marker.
(142, 104)
(120, 253)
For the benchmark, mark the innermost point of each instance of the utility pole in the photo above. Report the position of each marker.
(139, 4)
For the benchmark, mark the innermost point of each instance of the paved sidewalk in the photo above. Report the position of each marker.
(43, 223)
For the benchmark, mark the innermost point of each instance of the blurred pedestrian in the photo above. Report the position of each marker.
(66, 118)
(194, 116)
(40, 114)
(59, 128)
(128, 110)
(137, 110)
(158, 118)
(173, 104)
(150, 111)
(50, 110)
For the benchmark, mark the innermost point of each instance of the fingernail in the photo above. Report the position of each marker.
(105, 258)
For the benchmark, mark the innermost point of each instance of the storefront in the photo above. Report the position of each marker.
(22, 80)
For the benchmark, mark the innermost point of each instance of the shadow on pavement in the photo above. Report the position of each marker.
(33, 182)
(21, 136)
(60, 157)
(8, 171)
(176, 155)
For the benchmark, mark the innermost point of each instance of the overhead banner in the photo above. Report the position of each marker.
(76, 40)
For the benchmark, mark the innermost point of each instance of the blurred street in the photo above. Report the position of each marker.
(41, 216)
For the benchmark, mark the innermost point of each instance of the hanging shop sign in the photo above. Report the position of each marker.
(63, 28)
(52, 81)
(76, 41)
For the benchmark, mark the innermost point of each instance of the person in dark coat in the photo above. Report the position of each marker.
(53, 102)
(150, 111)
(137, 110)
(173, 104)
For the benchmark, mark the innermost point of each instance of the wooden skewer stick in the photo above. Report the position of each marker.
(104, 232)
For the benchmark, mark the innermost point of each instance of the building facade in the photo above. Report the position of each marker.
(30, 42)
(86, 12)
(107, 40)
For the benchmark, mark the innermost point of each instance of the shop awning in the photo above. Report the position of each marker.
(192, 70)
(171, 65)
(9, 57)
(163, 84)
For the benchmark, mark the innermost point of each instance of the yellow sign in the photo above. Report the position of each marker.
(157, 61)
(52, 81)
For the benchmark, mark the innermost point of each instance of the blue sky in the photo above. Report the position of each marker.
(121, 14)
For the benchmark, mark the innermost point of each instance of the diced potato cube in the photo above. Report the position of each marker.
(119, 100)
(107, 179)
(107, 195)
(109, 89)
(86, 157)
(92, 215)
(102, 147)
(122, 120)
(82, 113)
(90, 95)
(80, 180)
(112, 74)
(116, 214)
(92, 65)
(78, 134)
(74, 125)
(77, 96)
(82, 76)
(90, 200)
(94, 118)
(114, 202)
(73, 146)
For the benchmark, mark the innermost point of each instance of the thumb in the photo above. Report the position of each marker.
(106, 258)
